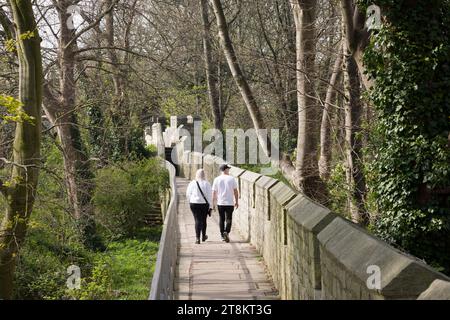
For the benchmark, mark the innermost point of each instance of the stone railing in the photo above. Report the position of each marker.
(163, 278)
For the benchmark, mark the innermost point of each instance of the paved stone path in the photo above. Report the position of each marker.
(215, 269)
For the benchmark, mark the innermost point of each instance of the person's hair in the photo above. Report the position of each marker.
(200, 174)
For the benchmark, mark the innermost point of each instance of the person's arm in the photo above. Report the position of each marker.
(214, 194)
(209, 195)
(188, 191)
(236, 195)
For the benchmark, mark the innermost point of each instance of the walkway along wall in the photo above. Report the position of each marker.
(310, 252)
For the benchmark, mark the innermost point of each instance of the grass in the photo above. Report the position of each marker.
(133, 263)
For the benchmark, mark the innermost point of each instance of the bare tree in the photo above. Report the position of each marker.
(357, 35)
(353, 141)
(325, 128)
(241, 81)
(306, 177)
(210, 68)
(60, 108)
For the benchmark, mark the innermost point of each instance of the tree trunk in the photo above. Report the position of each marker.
(353, 111)
(117, 110)
(61, 112)
(325, 128)
(211, 78)
(239, 77)
(357, 36)
(116, 74)
(20, 193)
(306, 175)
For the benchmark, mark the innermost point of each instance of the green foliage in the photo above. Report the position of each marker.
(96, 286)
(52, 242)
(152, 150)
(182, 101)
(96, 123)
(409, 60)
(43, 261)
(27, 35)
(122, 271)
(132, 266)
(11, 44)
(13, 110)
(125, 194)
(337, 186)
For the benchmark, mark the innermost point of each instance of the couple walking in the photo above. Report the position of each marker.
(203, 198)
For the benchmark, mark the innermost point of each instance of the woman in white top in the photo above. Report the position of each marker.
(199, 195)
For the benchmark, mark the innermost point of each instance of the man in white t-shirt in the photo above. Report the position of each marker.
(224, 189)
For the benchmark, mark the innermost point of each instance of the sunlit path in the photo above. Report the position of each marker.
(215, 269)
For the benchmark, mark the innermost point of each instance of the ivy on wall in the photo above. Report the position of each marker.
(409, 59)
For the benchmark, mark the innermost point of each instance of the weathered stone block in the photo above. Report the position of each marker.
(309, 218)
(282, 193)
(438, 290)
(208, 166)
(186, 166)
(354, 250)
(216, 168)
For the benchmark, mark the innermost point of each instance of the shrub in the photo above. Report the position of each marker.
(42, 265)
(97, 286)
(125, 194)
(152, 150)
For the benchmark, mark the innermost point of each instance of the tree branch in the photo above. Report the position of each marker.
(347, 16)
(7, 25)
(94, 23)
(3, 188)
(51, 103)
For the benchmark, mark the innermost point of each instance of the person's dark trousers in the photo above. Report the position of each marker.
(200, 212)
(226, 215)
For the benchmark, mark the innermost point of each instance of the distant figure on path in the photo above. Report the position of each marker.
(199, 195)
(224, 188)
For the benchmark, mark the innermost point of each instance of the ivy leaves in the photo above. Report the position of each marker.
(409, 61)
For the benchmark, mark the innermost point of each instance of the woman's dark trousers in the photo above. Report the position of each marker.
(200, 212)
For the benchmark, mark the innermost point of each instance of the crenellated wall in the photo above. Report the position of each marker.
(310, 252)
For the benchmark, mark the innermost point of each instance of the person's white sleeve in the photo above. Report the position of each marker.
(188, 191)
(209, 194)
